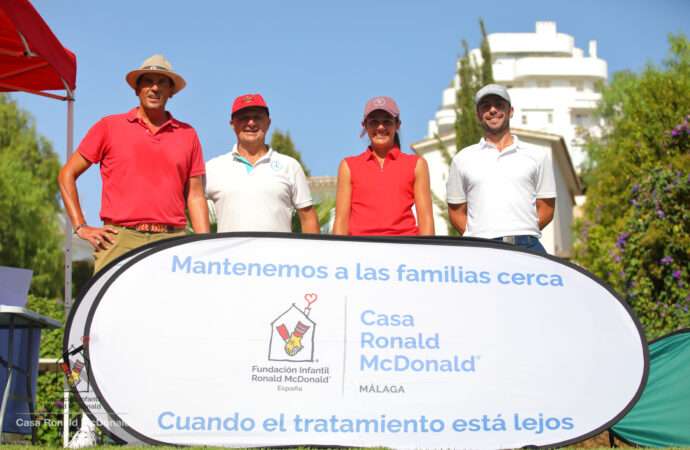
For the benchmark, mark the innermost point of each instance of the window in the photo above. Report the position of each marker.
(579, 119)
(543, 83)
(539, 119)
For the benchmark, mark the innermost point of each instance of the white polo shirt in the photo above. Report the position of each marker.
(261, 197)
(501, 188)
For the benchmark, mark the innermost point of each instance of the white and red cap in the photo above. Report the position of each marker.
(382, 103)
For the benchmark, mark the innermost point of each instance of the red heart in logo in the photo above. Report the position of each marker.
(311, 298)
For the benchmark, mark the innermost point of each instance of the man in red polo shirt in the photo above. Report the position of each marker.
(151, 166)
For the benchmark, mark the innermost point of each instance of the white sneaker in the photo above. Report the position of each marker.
(82, 439)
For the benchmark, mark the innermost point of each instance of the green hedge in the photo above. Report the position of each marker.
(49, 390)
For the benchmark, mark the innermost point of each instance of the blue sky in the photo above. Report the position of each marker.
(315, 62)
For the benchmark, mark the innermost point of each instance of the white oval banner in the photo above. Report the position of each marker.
(74, 344)
(274, 340)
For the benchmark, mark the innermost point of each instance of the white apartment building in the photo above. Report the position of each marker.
(553, 87)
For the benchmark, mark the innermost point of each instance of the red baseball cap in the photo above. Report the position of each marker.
(249, 101)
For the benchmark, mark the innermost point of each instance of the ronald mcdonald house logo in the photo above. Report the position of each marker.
(292, 341)
(73, 366)
(292, 334)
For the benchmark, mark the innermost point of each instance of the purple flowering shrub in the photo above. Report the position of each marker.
(651, 258)
(634, 232)
(681, 131)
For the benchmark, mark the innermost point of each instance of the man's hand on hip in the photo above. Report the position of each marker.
(99, 238)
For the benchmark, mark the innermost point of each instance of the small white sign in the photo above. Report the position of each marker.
(14, 286)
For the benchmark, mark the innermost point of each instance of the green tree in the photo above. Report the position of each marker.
(30, 235)
(50, 387)
(635, 233)
(472, 76)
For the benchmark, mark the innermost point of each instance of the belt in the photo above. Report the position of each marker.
(150, 227)
(517, 240)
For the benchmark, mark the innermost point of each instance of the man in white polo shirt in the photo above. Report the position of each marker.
(255, 188)
(501, 188)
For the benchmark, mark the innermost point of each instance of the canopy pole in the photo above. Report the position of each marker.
(68, 267)
(68, 223)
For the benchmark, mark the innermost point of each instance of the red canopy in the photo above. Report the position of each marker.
(31, 57)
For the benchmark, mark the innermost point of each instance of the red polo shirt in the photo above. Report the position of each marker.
(382, 196)
(144, 174)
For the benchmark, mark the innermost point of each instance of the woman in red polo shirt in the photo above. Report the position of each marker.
(378, 188)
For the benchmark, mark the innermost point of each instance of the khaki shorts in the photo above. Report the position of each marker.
(127, 240)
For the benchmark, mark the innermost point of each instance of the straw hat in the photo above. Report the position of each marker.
(156, 64)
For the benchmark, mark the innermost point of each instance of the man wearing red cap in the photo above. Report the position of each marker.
(255, 188)
(151, 165)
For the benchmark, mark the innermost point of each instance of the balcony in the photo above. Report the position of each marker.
(557, 44)
(585, 101)
(560, 67)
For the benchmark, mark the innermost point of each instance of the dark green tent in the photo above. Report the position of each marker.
(661, 418)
